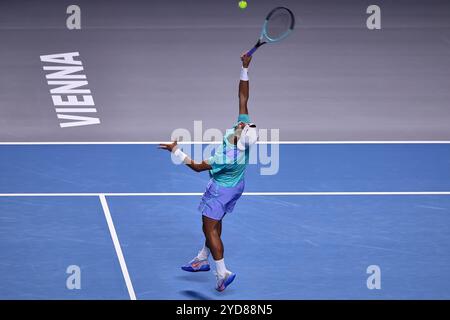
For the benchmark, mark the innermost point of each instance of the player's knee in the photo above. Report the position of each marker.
(210, 232)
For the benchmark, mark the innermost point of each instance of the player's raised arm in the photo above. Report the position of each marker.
(243, 85)
(197, 167)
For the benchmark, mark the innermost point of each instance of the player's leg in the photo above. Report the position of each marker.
(212, 230)
(200, 262)
(220, 228)
(204, 252)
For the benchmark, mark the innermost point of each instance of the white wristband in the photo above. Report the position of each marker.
(180, 154)
(244, 74)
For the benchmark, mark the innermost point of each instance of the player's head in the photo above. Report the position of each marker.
(247, 135)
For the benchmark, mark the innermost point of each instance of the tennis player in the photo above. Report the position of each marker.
(226, 169)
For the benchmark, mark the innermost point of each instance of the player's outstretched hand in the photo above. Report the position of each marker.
(245, 60)
(168, 146)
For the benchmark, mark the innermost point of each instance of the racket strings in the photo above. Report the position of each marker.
(278, 24)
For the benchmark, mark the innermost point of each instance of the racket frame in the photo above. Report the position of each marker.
(264, 35)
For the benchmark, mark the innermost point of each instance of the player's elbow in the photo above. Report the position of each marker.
(198, 167)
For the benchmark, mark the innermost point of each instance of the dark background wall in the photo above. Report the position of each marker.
(154, 66)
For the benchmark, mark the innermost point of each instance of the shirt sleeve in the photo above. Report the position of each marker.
(244, 118)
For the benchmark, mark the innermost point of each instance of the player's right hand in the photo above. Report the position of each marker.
(245, 60)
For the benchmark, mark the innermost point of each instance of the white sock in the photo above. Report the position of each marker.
(203, 253)
(220, 268)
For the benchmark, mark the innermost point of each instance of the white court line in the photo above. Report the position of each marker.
(116, 242)
(219, 142)
(163, 194)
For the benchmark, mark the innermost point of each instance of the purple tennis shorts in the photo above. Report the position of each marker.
(217, 200)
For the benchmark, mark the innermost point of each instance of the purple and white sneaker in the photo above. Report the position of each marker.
(196, 265)
(222, 283)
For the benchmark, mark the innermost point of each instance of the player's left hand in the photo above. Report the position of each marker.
(168, 146)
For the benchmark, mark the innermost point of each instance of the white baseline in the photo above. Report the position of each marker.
(287, 193)
(219, 142)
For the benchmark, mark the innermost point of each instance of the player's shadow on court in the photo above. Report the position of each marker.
(195, 295)
(198, 278)
(195, 278)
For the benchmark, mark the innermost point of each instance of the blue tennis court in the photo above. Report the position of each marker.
(128, 218)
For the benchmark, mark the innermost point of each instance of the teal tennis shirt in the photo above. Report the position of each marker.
(229, 163)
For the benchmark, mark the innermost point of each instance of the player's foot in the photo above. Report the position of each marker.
(196, 265)
(223, 282)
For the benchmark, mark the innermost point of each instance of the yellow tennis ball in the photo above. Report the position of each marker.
(242, 4)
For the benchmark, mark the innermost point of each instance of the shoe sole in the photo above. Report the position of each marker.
(201, 269)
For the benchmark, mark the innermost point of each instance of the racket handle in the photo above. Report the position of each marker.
(252, 51)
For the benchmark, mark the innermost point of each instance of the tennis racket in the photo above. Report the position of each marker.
(278, 25)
